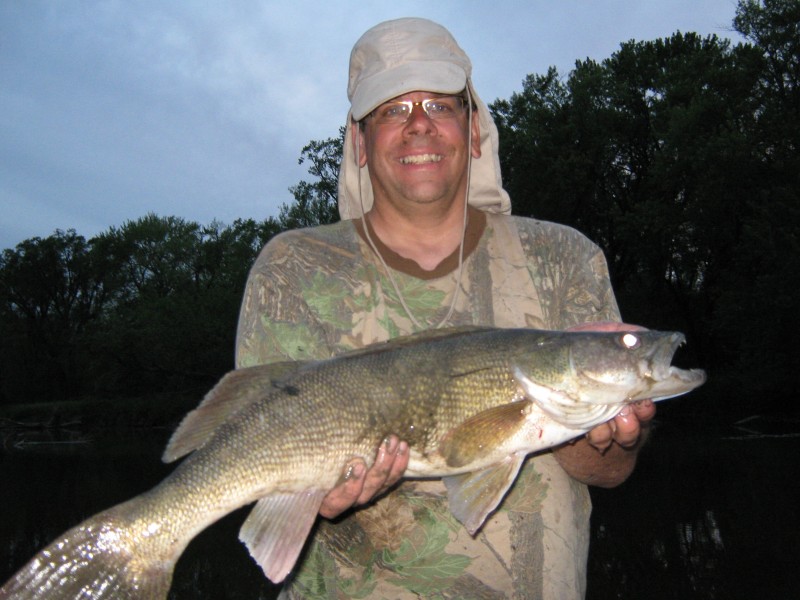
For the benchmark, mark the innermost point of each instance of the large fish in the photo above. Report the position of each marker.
(471, 404)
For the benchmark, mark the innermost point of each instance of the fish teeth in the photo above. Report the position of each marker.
(418, 159)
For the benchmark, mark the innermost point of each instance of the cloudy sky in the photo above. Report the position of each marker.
(112, 109)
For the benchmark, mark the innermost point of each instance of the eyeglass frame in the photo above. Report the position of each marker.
(421, 103)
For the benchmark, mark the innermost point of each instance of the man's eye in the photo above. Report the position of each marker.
(440, 108)
(394, 111)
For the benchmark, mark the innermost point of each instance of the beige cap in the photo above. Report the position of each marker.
(401, 56)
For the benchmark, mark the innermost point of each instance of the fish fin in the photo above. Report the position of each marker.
(563, 408)
(475, 437)
(235, 391)
(473, 496)
(63, 571)
(277, 528)
(412, 339)
(432, 334)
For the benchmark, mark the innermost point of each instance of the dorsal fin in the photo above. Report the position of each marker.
(415, 338)
(235, 391)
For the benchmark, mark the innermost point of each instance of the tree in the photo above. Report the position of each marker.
(761, 289)
(148, 307)
(172, 322)
(315, 202)
(51, 290)
(773, 26)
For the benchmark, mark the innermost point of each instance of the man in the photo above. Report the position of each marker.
(426, 242)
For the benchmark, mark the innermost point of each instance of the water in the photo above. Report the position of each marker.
(53, 480)
(704, 516)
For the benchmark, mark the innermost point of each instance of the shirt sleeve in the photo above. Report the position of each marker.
(589, 294)
(570, 273)
(275, 321)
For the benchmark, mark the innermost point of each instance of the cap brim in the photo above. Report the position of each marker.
(437, 77)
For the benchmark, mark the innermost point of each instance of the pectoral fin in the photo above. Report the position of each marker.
(473, 496)
(563, 408)
(276, 530)
(481, 433)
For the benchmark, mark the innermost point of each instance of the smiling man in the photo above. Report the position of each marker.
(426, 241)
(416, 149)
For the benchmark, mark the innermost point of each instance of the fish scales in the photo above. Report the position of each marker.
(471, 403)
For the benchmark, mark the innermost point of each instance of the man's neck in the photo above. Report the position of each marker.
(427, 236)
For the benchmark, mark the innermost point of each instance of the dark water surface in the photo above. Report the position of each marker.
(704, 516)
(51, 481)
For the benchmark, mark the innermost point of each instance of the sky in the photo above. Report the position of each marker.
(110, 110)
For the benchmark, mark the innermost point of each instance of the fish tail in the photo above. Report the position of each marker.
(97, 559)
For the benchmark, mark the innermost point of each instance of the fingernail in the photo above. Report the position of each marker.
(625, 412)
(354, 472)
(402, 448)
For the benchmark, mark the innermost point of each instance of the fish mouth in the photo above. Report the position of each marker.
(659, 365)
(662, 379)
(421, 159)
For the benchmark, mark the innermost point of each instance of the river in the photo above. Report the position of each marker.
(705, 515)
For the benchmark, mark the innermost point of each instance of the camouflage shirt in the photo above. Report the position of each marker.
(316, 292)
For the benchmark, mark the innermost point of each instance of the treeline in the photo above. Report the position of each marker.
(678, 156)
(148, 307)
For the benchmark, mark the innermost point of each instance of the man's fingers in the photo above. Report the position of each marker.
(601, 436)
(384, 473)
(346, 494)
(360, 485)
(399, 465)
(625, 429)
(644, 410)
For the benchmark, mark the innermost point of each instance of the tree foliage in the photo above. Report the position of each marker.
(679, 157)
(150, 306)
(315, 201)
(52, 292)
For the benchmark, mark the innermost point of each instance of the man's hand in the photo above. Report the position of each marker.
(361, 485)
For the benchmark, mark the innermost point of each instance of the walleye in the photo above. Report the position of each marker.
(471, 403)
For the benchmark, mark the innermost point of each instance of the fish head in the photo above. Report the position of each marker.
(606, 367)
(627, 366)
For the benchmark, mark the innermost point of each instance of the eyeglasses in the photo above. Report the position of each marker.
(397, 112)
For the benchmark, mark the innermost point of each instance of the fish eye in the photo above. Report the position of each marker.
(629, 340)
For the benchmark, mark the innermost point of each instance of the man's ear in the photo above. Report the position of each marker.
(359, 143)
(476, 134)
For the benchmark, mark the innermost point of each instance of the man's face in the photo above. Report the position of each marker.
(421, 161)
